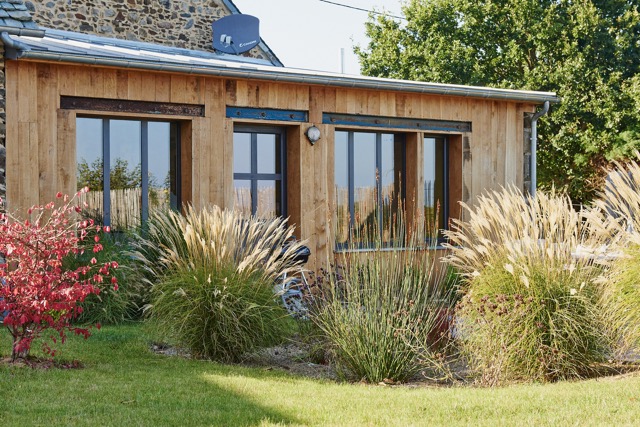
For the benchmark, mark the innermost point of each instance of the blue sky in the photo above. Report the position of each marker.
(309, 33)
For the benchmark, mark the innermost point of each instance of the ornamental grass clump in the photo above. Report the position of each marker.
(384, 314)
(617, 212)
(531, 308)
(212, 275)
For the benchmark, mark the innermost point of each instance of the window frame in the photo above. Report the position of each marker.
(144, 161)
(446, 187)
(254, 176)
(378, 166)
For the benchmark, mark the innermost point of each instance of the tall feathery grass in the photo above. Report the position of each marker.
(212, 276)
(617, 212)
(531, 307)
(385, 311)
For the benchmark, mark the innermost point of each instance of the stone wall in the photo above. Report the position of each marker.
(179, 23)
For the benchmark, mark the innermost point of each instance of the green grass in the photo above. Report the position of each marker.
(123, 383)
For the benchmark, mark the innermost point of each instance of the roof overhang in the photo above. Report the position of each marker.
(60, 46)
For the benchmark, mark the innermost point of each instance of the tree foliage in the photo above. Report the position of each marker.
(121, 176)
(586, 51)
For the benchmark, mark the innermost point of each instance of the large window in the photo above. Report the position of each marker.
(258, 171)
(436, 200)
(131, 167)
(369, 189)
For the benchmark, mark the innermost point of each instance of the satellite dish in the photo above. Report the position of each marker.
(236, 33)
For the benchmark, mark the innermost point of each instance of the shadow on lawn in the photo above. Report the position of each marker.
(206, 393)
(123, 383)
(240, 409)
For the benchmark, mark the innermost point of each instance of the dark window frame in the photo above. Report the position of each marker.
(351, 175)
(144, 163)
(254, 176)
(446, 189)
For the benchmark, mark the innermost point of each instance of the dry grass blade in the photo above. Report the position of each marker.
(507, 222)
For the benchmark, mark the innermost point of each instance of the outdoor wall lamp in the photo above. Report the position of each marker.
(313, 134)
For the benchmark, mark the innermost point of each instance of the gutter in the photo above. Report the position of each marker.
(534, 144)
(291, 76)
(13, 48)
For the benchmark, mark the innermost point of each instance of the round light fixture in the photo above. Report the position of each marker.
(313, 134)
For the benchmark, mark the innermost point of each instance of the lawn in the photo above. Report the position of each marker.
(124, 383)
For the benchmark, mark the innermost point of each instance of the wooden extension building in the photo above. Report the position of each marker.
(147, 126)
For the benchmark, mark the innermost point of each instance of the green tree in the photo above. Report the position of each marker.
(121, 175)
(587, 51)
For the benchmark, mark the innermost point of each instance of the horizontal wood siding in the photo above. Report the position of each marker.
(41, 137)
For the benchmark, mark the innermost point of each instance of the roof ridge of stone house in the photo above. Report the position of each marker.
(16, 19)
(263, 45)
(92, 39)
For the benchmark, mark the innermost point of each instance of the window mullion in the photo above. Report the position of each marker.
(445, 184)
(351, 181)
(379, 181)
(254, 171)
(283, 173)
(178, 166)
(106, 172)
(144, 169)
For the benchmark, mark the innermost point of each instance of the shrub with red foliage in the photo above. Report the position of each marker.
(36, 292)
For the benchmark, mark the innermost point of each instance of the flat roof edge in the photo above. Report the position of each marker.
(291, 76)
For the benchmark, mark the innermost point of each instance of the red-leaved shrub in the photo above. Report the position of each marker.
(36, 292)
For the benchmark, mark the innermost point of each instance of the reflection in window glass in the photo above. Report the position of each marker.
(267, 200)
(367, 179)
(257, 173)
(391, 155)
(242, 189)
(268, 153)
(242, 152)
(89, 164)
(341, 180)
(125, 173)
(126, 160)
(434, 184)
(365, 197)
(161, 169)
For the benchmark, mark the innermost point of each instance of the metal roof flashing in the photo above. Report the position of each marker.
(62, 46)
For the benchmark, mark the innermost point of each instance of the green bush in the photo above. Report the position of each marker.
(212, 277)
(110, 306)
(532, 308)
(384, 315)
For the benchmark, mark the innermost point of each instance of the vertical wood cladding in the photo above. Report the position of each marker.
(489, 156)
